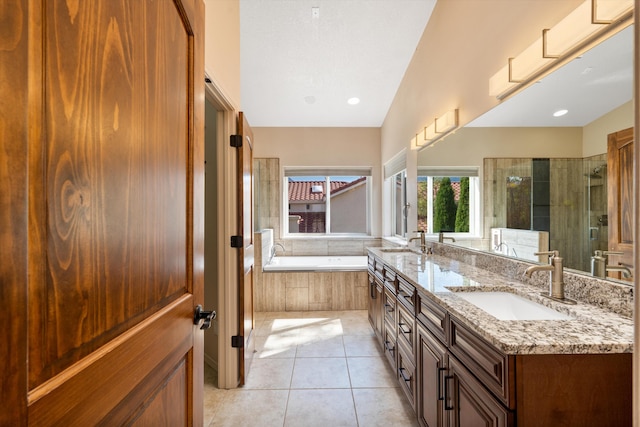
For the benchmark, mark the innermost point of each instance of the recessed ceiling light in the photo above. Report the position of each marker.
(353, 101)
(560, 113)
(310, 99)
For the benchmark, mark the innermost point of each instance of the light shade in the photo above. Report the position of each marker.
(588, 21)
(436, 130)
(447, 122)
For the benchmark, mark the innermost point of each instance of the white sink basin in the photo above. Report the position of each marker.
(508, 306)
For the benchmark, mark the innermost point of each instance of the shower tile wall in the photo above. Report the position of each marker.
(568, 229)
(568, 216)
(496, 172)
(267, 195)
(595, 173)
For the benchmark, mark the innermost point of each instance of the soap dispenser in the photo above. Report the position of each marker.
(598, 264)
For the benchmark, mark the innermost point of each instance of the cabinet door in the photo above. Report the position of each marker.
(379, 327)
(468, 403)
(375, 306)
(406, 331)
(372, 312)
(432, 369)
(389, 344)
(407, 376)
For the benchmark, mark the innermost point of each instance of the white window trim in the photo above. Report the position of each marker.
(475, 230)
(287, 171)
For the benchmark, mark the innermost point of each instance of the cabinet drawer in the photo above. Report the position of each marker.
(493, 369)
(389, 306)
(432, 317)
(407, 376)
(407, 294)
(406, 331)
(390, 278)
(379, 269)
(389, 344)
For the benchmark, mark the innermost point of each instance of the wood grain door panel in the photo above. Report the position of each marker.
(88, 395)
(105, 207)
(620, 198)
(246, 253)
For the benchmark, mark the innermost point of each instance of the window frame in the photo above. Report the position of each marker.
(404, 205)
(475, 201)
(327, 173)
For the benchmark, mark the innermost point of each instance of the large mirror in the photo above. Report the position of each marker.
(544, 182)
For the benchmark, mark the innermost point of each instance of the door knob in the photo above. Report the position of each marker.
(200, 314)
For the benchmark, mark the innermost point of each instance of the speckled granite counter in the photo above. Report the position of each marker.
(591, 330)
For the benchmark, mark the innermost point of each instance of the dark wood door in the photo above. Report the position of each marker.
(246, 253)
(101, 187)
(432, 361)
(468, 403)
(620, 199)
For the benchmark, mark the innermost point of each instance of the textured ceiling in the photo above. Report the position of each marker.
(301, 60)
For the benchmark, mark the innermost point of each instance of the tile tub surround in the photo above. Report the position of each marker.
(592, 329)
(310, 291)
(302, 291)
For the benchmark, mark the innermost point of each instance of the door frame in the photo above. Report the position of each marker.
(227, 310)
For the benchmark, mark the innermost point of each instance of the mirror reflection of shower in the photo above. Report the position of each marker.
(596, 200)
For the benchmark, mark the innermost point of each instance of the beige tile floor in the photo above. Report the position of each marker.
(315, 368)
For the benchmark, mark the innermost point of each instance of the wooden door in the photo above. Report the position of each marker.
(246, 253)
(101, 225)
(620, 199)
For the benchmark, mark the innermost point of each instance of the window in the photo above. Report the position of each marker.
(395, 176)
(342, 209)
(448, 200)
(399, 197)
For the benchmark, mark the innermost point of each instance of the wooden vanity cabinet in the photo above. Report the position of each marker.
(452, 376)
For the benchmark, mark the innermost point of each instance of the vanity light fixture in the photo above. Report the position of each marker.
(438, 129)
(589, 21)
(560, 113)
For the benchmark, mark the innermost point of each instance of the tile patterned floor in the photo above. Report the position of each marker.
(312, 369)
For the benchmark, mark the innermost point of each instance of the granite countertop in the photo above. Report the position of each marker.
(590, 330)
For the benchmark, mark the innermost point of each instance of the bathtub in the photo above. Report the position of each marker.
(317, 263)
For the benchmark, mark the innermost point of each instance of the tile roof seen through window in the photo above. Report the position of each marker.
(301, 191)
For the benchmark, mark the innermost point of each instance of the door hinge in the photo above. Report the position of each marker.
(236, 141)
(236, 241)
(237, 341)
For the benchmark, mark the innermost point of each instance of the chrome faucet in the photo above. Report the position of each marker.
(556, 285)
(442, 238)
(423, 243)
(273, 251)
